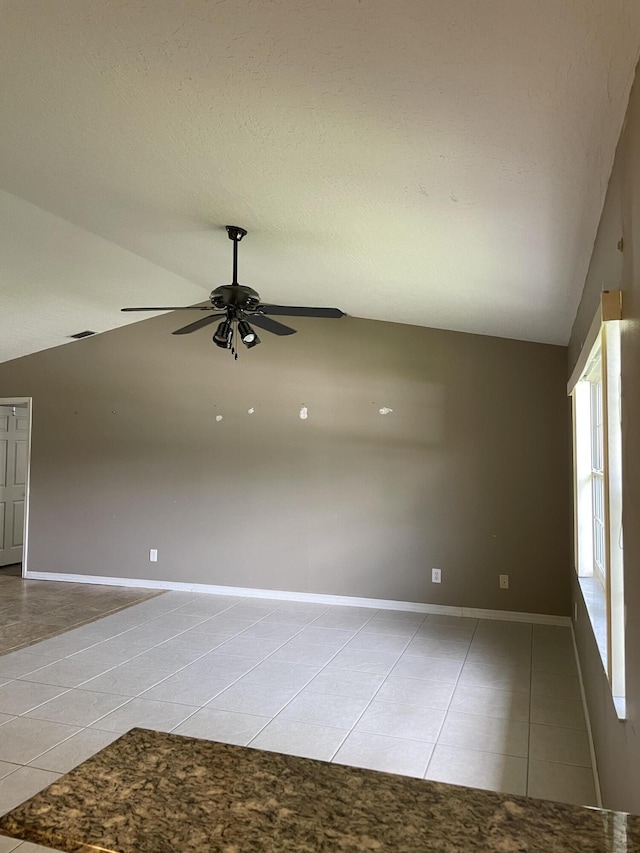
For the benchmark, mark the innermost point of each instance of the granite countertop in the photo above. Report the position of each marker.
(150, 792)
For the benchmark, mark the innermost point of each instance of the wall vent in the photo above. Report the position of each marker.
(79, 335)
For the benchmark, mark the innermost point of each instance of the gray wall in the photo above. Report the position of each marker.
(617, 743)
(469, 472)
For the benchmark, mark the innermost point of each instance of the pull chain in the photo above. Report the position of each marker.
(234, 352)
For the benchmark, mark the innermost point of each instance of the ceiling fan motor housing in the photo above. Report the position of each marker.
(235, 296)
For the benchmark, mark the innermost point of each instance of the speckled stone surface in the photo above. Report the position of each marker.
(150, 792)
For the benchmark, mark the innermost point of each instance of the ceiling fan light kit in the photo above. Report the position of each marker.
(236, 304)
(223, 335)
(246, 332)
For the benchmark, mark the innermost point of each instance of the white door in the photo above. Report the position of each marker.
(14, 433)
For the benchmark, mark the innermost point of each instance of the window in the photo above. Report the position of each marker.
(597, 464)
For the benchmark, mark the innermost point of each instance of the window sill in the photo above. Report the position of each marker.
(621, 707)
(596, 605)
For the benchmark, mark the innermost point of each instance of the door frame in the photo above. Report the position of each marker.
(14, 401)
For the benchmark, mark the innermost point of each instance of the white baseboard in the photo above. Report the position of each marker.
(317, 598)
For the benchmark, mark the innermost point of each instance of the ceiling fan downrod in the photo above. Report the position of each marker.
(236, 234)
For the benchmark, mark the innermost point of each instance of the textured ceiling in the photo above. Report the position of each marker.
(439, 163)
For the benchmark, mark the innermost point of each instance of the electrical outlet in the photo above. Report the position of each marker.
(153, 555)
(436, 576)
(504, 581)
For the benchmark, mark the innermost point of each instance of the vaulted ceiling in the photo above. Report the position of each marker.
(420, 161)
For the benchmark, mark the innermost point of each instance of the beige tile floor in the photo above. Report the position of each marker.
(483, 703)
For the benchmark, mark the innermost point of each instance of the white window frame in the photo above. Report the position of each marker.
(597, 457)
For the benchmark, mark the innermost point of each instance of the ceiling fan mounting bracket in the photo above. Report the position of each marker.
(235, 232)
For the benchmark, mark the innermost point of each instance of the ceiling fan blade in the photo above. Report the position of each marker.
(199, 324)
(173, 308)
(270, 325)
(295, 311)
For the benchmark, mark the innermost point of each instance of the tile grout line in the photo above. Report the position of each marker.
(337, 652)
(237, 680)
(529, 724)
(379, 688)
(457, 681)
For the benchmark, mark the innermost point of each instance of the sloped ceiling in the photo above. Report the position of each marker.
(435, 163)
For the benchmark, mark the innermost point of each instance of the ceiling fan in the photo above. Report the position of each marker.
(237, 304)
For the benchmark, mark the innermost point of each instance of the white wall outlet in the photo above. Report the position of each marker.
(153, 555)
(504, 581)
(436, 576)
